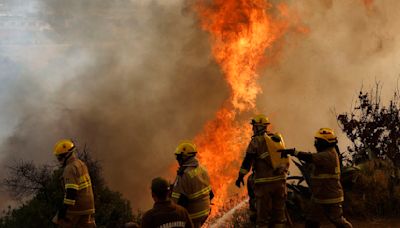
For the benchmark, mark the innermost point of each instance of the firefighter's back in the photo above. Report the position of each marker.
(166, 214)
(78, 171)
(194, 187)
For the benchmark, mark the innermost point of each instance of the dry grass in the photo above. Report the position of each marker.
(374, 195)
(375, 191)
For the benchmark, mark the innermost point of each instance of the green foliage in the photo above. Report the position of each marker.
(111, 209)
(41, 184)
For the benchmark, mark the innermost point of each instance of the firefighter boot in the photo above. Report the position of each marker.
(311, 224)
(341, 223)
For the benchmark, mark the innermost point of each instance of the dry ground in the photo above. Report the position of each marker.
(378, 223)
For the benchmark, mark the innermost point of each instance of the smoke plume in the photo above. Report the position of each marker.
(135, 78)
(350, 45)
(130, 79)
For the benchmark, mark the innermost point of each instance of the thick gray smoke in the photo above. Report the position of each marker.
(129, 79)
(349, 46)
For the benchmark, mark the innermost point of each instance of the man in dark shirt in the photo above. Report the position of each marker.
(164, 214)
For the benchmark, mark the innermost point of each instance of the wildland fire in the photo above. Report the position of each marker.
(199, 113)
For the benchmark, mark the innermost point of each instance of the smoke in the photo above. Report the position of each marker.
(130, 79)
(349, 46)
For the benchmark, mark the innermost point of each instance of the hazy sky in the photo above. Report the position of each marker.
(132, 78)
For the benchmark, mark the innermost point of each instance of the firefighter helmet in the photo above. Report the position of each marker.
(260, 119)
(186, 148)
(63, 146)
(326, 134)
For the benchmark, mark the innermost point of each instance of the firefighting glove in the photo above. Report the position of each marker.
(211, 195)
(183, 201)
(62, 211)
(286, 152)
(239, 181)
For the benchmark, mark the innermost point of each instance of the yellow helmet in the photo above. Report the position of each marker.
(326, 134)
(186, 148)
(260, 119)
(63, 146)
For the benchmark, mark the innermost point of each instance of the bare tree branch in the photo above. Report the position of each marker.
(374, 129)
(25, 179)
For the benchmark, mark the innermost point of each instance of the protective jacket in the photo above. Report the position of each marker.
(325, 180)
(76, 177)
(327, 192)
(257, 156)
(269, 184)
(192, 189)
(166, 214)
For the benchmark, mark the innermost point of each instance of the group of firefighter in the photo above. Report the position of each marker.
(187, 202)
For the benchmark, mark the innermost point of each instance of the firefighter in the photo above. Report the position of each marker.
(77, 209)
(192, 188)
(327, 192)
(269, 183)
(164, 213)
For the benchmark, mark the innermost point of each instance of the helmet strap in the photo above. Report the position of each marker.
(67, 157)
(259, 130)
(321, 145)
(178, 158)
(182, 159)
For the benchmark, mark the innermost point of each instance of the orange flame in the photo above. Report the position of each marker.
(241, 31)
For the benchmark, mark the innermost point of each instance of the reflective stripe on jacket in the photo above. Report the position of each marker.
(325, 180)
(76, 176)
(258, 157)
(193, 184)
